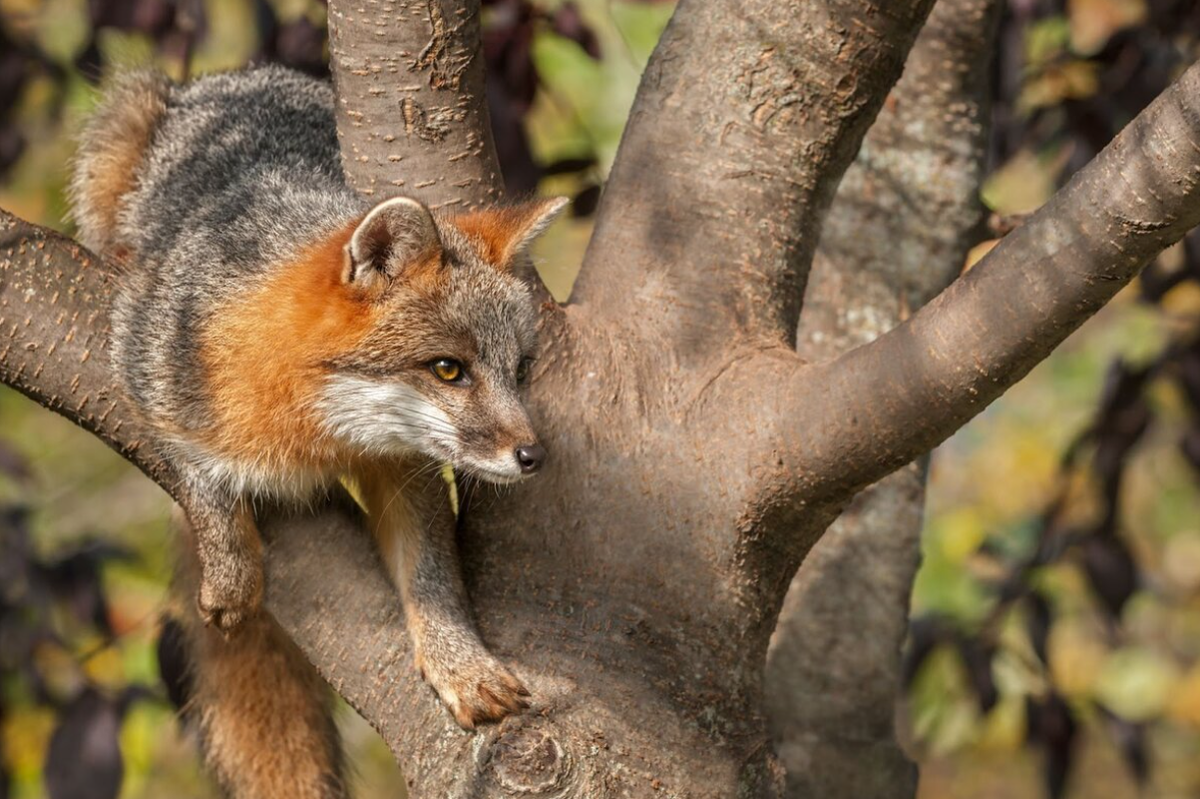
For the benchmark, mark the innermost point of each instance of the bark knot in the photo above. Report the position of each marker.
(772, 87)
(529, 761)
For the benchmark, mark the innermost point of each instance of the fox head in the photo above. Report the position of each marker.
(451, 340)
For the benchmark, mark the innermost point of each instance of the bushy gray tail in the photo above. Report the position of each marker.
(111, 150)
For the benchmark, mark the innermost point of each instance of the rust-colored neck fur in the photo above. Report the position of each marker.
(265, 354)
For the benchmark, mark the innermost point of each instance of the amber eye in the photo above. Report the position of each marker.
(447, 370)
(523, 369)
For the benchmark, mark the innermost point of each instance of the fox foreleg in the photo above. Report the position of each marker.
(230, 550)
(414, 527)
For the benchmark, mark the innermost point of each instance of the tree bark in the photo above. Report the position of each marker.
(695, 456)
(904, 218)
(746, 118)
(411, 111)
(1028, 294)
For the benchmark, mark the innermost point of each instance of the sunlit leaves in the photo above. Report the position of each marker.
(1083, 584)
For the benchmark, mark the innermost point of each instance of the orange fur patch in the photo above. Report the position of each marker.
(266, 353)
(265, 356)
(497, 232)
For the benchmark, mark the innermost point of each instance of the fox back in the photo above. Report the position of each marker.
(273, 325)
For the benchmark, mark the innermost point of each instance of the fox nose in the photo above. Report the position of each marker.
(530, 457)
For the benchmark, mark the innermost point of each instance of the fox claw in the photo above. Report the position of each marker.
(478, 691)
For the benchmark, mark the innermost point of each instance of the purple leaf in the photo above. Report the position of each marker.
(84, 759)
(586, 202)
(1053, 726)
(174, 663)
(1110, 570)
(569, 24)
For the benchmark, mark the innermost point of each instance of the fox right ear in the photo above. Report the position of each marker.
(394, 234)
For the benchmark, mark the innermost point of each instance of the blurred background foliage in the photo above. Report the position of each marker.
(1055, 646)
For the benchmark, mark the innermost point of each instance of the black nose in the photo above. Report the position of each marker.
(530, 456)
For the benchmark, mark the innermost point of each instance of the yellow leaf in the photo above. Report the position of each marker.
(1181, 561)
(1004, 728)
(23, 740)
(105, 667)
(1076, 658)
(1183, 300)
(977, 252)
(961, 532)
(1185, 704)
(1024, 183)
(1072, 80)
(1137, 684)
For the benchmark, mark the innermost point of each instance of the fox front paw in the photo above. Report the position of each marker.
(476, 690)
(231, 597)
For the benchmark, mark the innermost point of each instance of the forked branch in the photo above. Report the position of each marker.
(747, 116)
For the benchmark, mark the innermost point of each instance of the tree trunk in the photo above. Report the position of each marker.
(903, 220)
(696, 457)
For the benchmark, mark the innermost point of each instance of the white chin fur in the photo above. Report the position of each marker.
(386, 418)
(499, 471)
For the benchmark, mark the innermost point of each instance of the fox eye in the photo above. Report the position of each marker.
(447, 370)
(523, 369)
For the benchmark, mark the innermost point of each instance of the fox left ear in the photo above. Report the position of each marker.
(503, 232)
(395, 234)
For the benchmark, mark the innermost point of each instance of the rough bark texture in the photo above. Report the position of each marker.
(1028, 294)
(903, 220)
(695, 456)
(411, 106)
(54, 298)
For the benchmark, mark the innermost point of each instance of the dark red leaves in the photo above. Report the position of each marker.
(84, 758)
(173, 665)
(1053, 726)
(512, 85)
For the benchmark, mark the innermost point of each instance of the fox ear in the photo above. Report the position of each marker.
(393, 235)
(503, 232)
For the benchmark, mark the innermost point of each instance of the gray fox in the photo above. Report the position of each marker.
(279, 333)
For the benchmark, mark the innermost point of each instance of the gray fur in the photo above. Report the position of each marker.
(243, 171)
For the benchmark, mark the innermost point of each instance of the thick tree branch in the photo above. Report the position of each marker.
(746, 118)
(54, 298)
(899, 230)
(885, 403)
